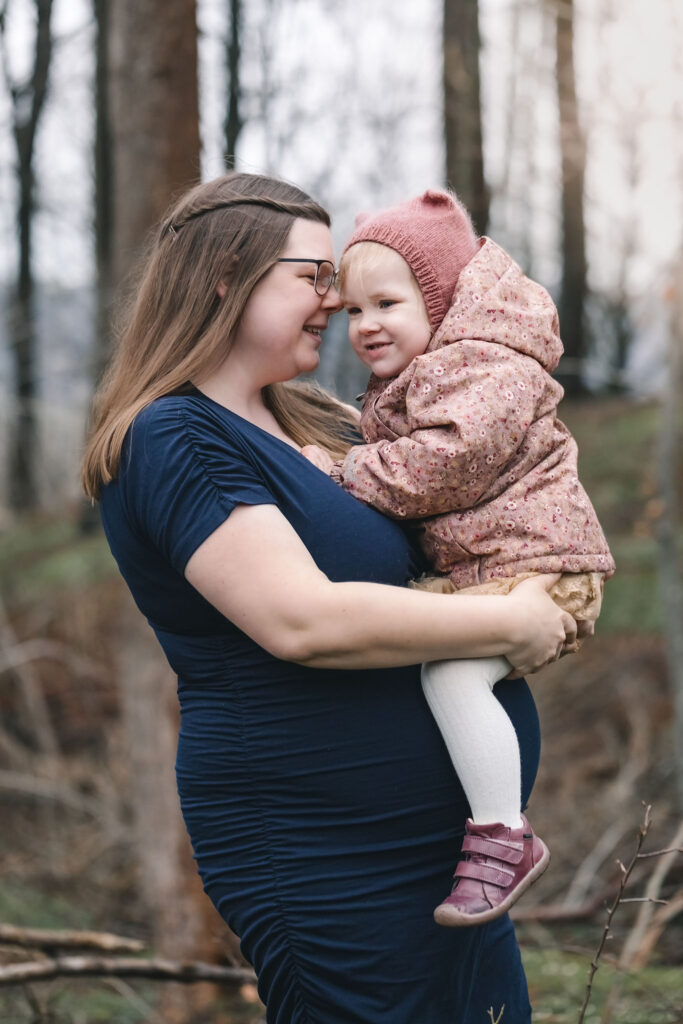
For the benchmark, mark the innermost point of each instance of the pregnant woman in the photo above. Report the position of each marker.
(322, 806)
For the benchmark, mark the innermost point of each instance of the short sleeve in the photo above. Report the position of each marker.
(183, 473)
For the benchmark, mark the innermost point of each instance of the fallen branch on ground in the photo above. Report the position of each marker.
(551, 912)
(121, 967)
(42, 938)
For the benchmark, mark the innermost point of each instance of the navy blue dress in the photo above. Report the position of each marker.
(324, 813)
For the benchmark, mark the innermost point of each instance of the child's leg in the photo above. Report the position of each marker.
(478, 734)
(502, 856)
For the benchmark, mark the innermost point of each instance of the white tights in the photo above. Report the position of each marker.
(480, 737)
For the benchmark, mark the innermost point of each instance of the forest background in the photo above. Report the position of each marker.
(560, 124)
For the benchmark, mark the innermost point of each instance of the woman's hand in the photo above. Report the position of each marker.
(318, 456)
(544, 632)
(584, 629)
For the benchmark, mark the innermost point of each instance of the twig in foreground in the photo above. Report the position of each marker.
(625, 875)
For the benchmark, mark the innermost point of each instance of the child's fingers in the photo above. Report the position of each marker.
(318, 457)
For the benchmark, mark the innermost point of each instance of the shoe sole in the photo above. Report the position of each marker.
(451, 917)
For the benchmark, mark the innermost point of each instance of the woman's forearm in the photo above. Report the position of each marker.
(366, 625)
(256, 571)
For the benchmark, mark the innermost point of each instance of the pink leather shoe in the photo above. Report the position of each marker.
(500, 863)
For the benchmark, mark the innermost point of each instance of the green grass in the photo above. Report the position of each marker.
(631, 604)
(23, 905)
(43, 559)
(618, 451)
(617, 455)
(31, 538)
(557, 984)
(82, 1002)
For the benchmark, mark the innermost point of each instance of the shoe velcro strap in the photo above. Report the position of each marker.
(484, 873)
(500, 849)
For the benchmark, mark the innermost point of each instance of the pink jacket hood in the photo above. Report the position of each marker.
(495, 301)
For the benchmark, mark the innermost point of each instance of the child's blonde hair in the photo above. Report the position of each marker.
(365, 256)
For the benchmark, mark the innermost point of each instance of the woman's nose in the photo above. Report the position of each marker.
(332, 300)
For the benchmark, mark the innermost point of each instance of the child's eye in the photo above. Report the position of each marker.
(386, 303)
(352, 310)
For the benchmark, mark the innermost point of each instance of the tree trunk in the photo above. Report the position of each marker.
(670, 577)
(154, 125)
(462, 108)
(103, 192)
(233, 119)
(27, 106)
(573, 154)
(154, 116)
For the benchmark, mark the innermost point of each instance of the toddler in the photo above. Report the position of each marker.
(459, 420)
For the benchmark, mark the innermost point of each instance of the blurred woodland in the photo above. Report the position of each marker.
(102, 917)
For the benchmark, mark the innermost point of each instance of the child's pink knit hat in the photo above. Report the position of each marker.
(434, 235)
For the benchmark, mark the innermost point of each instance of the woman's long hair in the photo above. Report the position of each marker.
(177, 329)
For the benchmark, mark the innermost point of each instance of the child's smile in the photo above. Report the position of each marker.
(388, 325)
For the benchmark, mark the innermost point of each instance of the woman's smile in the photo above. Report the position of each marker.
(283, 321)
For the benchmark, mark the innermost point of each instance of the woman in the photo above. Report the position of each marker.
(314, 784)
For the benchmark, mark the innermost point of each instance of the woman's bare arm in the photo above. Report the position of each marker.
(255, 570)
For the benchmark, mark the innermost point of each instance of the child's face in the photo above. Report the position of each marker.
(388, 325)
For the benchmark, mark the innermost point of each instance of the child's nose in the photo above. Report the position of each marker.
(368, 324)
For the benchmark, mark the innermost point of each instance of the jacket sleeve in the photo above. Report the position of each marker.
(468, 408)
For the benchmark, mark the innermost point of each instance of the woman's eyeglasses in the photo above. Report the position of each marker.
(325, 274)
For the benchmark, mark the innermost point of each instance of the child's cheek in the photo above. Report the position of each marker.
(357, 347)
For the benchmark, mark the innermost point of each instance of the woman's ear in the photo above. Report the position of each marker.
(222, 286)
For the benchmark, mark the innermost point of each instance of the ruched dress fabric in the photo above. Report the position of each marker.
(323, 810)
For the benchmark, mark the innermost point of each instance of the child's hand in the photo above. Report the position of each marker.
(318, 457)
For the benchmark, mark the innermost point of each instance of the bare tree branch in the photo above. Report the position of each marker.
(660, 853)
(49, 789)
(38, 648)
(561, 911)
(651, 897)
(667, 858)
(658, 922)
(625, 875)
(36, 710)
(587, 870)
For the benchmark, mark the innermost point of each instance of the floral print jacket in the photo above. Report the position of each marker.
(467, 441)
